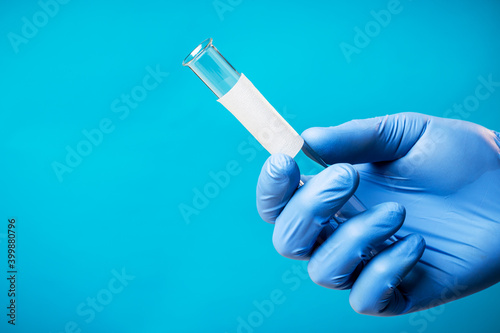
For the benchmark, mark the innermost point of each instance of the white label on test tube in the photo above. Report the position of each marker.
(259, 117)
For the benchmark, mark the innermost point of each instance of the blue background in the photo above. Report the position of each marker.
(120, 207)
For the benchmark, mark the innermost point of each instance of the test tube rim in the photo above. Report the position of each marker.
(208, 42)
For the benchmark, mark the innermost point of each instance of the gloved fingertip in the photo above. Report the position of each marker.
(312, 134)
(416, 242)
(410, 249)
(324, 194)
(345, 176)
(394, 212)
(316, 138)
(395, 207)
(278, 180)
(281, 167)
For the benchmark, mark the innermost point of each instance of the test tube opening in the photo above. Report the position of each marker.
(212, 68)
(197, 51)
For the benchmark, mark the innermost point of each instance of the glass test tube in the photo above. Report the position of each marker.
(216, 72)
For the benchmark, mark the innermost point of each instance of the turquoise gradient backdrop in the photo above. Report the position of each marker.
(120, 207)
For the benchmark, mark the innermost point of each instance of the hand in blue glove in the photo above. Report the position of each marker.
(433, 182)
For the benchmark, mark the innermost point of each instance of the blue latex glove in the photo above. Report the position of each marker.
(443, 175)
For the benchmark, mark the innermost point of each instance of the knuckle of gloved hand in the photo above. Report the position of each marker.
(497, 135)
